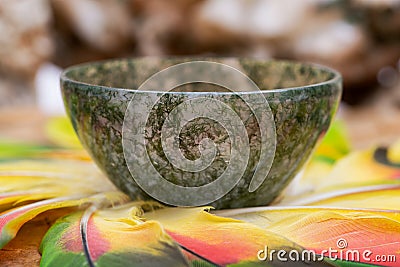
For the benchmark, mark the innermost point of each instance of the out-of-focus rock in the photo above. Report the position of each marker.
(25, 40)
(288, 29)
(334, 42)
(345, 35)
(382, 18)
(360, 74)
(165, 27)
(101, 24)
(249, 28)
(263, 19)
(357, 37)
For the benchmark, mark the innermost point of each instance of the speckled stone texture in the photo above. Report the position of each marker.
(96, 103)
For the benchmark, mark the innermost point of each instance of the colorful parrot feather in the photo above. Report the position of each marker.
(376, 232)
(59, 167)
(360, 169)
(373, 197)
(113, 237)
(159, 237)
(12, 220)
(223, 241)
(347, 202)
(28, 181)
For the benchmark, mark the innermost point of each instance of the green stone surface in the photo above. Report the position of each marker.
(303, 99)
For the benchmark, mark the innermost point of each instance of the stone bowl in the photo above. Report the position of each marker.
(247, 142)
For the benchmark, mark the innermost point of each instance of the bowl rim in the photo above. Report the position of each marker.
(335, 79)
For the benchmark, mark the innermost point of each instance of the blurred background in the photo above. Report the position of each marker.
(360, 38)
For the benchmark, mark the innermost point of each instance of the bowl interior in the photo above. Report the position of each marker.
(268, 75)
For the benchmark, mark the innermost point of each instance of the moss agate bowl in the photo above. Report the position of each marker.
(167, 130)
